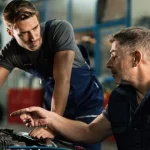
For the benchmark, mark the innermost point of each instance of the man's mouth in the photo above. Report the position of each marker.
(113, 73)
(34, 43)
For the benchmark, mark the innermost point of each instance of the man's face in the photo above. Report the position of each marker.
(120, 64)
(27, 33)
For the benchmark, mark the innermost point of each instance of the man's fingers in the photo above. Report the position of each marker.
(19, 112)
(26, 118)
(41, 133)
(25, 110)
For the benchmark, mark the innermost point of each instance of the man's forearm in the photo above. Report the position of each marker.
(73, 130)
(59, 99)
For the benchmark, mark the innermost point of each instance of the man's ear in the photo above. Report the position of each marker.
(9, 32)
(137, 57)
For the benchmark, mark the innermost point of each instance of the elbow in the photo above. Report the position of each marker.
(64, 81)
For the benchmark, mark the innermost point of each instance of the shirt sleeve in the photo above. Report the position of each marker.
(6, 57)
(63, 36)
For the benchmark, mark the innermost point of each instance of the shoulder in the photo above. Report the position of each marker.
(123, 90)
(121, 95)
(56, 23)
(56, 27)
(61, 23)
(8, 55)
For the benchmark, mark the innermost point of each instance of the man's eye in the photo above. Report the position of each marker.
(113, 56)
(22, 34)
(36, 28)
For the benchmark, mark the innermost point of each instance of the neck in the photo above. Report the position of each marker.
(139, 97)
(141, 89)
(141, 92)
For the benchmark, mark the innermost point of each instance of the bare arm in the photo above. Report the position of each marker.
(61, 71)
(4, 73)
(96, 131)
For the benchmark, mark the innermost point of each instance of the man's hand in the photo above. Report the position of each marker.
(42, 133)
(32, 116)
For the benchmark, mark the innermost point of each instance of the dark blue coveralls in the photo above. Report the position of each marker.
(85, 98)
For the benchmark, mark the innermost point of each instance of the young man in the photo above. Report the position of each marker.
(48, 50)
(127, 115)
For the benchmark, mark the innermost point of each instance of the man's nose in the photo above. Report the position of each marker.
(32, 36)
(109, 63)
